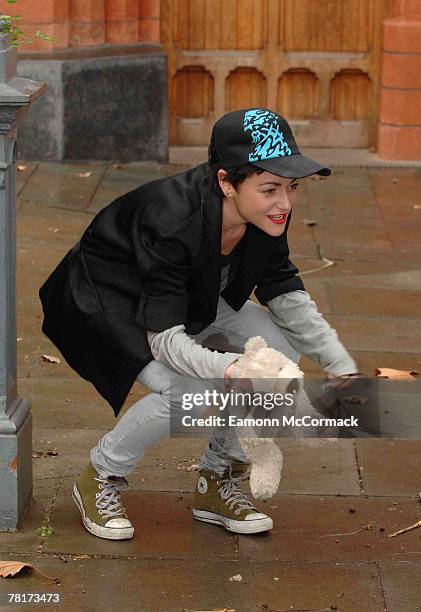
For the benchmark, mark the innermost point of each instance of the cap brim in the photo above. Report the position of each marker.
(292, 166)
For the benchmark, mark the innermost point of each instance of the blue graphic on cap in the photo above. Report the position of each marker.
(266, 135)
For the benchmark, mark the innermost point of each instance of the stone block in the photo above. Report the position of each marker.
(100, 105)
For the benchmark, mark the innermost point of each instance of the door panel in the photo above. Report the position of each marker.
(315, 61)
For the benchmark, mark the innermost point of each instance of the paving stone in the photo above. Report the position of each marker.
(37, 222)
(407, 280)
(162, 468)
(368, 361)
(58, 185)
(69, 401)
(164, 528)
(401, 584)
(328, 468)
(375, 302)
(175, 585)
(304, 524)
(30, 253)
(118, 181)
(390, 467)
(26, 539)
(385, 334)
(23, 175)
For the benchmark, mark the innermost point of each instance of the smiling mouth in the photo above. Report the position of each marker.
(278, 219)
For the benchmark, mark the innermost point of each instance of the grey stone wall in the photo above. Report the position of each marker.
(107, 103)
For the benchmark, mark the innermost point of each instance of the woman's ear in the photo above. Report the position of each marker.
(226, 187)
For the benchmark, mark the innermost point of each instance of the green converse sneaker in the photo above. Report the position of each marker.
(99, 502)
(219, 499)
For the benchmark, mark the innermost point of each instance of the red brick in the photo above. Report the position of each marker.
(87, 10)
(149, 9)
(122, 31)
(400, 107)
(87, 34)
(53, 11)
(401, 71)
(399, 142)
(149, 30)
(121, 10)
(408, 9)
(402, 36)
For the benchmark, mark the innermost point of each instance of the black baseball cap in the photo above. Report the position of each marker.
(263, 138)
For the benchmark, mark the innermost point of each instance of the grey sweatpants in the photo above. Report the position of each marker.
(148, 420)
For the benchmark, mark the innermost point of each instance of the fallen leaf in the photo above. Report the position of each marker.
(395, 374)
(236, 578)
(356, 399)
(117, 166)
(417, 206)
(308, 222)
(21, 167)
(53, 452)
(395, 181)
(11, 568)
(192, 468)
(18, 339)
(37, 454)
(83, 174)
(50, 358)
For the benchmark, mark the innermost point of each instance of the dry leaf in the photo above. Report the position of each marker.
(417, 206)
(21, 167)
(236, 578)
(18, 339)
(308, 222)
(52, 452)
(395, 374)
(11, 568)
(117, 166)
(83, 174)
(192, 468)
(50, 358)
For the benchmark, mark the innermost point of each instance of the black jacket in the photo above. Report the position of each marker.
(149, 261)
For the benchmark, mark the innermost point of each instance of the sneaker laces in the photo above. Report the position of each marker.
(109, 500)
(233, 495)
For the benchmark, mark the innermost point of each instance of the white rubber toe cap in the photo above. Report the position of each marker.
(119, 523)
(255, 516)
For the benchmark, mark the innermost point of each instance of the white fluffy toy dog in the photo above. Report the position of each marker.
(258, 362)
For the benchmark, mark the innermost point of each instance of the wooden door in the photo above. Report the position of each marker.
(317, 62)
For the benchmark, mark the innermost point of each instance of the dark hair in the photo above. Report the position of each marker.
(234, 175)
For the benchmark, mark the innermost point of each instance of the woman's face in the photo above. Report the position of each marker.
(262, 199)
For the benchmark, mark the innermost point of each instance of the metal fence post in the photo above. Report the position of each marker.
(16, 94)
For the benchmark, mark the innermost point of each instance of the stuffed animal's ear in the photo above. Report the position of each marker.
(253, 345)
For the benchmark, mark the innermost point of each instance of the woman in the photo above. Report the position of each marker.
(163, 275)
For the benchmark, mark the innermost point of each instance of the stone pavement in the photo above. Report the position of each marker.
(368, 221)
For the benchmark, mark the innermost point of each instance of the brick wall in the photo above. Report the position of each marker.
(399, 134)
(86, 23)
